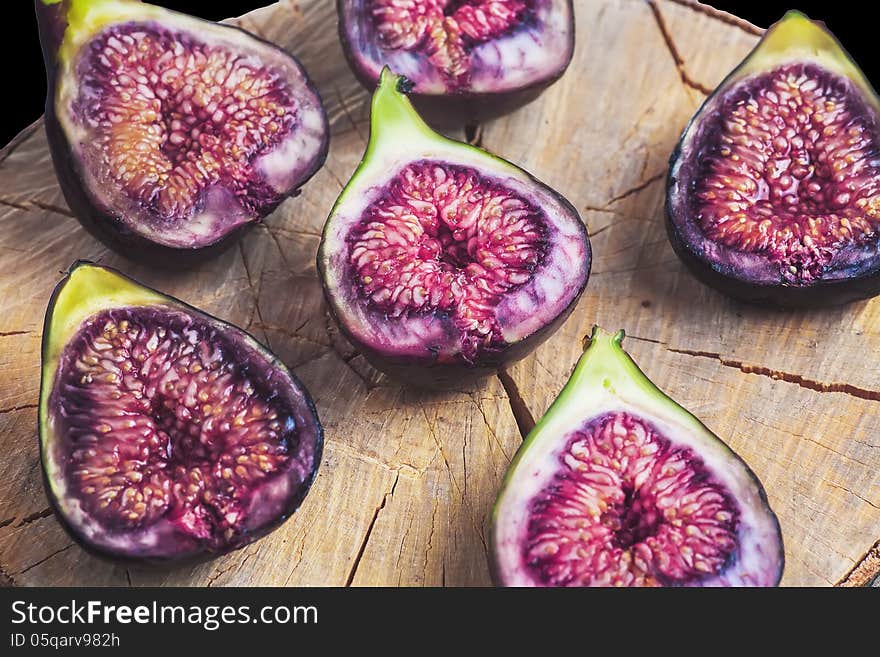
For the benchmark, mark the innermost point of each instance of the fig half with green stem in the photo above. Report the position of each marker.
(618, 485)
(441, 262)
(172, 135)
(165, 433)
(774, 189)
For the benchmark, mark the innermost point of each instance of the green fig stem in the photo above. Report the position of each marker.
(394, 121)
(603, 356)
(65, 25)
(796, 37)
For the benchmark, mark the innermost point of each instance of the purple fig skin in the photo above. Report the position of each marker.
(459, 109)
(102, 223)
(859, 286)
(312, 428)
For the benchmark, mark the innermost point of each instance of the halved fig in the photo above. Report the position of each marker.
(166, 433)
(774, 189)
(442, 262)
(469, 60)
(618, 485)
(171, 135)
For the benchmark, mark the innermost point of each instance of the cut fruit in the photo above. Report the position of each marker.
(618, 485)
(469, 60)
(171, 135)
(774, 189)
(441, 262)
(166, 433)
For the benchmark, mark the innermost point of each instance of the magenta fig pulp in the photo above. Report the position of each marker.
(618, 485)
(166, 433)
(774, 190)
(469, 60)
(171, 135)
(441, 262)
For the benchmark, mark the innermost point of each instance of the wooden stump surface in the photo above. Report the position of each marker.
(408, 478)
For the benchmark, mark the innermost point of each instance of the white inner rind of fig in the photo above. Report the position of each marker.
(569, 498)
(475, 47)
(185, 130)
(169, 435)
(403, 292)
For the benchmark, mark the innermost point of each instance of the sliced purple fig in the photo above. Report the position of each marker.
(171, 135)
(442, 262)
(774, 189)
(469, 60)
(618, 485)
(166, 433)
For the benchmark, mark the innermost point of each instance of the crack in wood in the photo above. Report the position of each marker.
(301, 549)
(403, 541)
(296, 232)
(277, 242)
(20, 407)
(53, 208)
(632, 270)
(433, 432)
(45, 559)
(255, 292)
(33, 517)
(865, 571)
(686, 79)
(853, 493)
(464, 500)
(408, 470)
(31, 205)
(291, 333)
(633, 337)
(831, 449)
(491, 431)
(363, 546)
(14, 205)
(525, 421)
(601, 230)
(776, 375)
(595, 208)
(238, 565)
(368, 385)
(721, 16)
(430, 544)
(345, 358)
(638, 188)
(335, 176)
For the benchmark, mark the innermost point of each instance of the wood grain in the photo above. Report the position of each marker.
(408, 478)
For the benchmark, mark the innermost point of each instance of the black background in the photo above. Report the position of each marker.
(25, 91)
